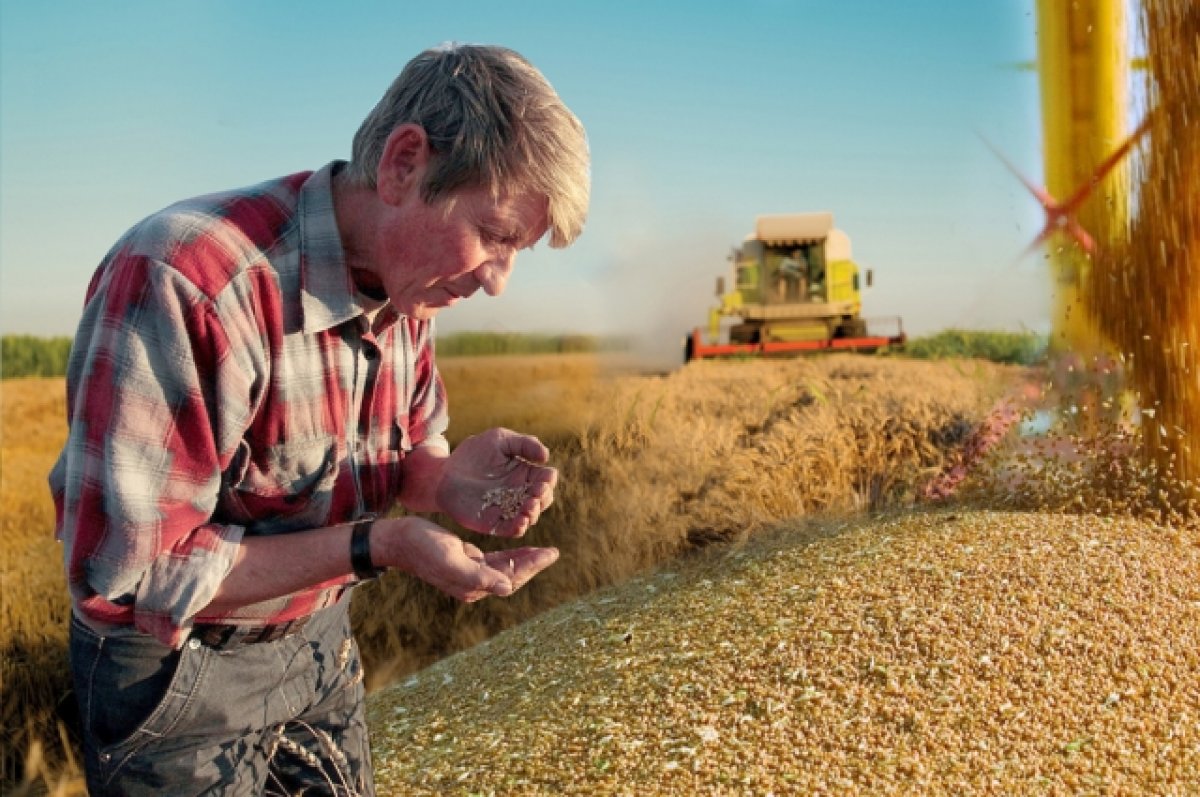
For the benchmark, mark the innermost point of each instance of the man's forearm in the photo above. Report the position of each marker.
(279, 564)
(271, 566)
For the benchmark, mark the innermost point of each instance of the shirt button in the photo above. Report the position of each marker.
(106, 757)
(193, 643)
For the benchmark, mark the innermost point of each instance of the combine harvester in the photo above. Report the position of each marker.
(796, 292)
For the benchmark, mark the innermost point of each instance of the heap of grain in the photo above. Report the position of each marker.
(1145, 287)
(931, 653)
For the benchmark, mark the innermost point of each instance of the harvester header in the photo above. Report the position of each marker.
(796, 291)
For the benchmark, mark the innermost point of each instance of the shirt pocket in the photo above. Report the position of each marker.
(381, 470)
(287, 488)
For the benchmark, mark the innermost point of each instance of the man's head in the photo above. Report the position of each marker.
(492, 122)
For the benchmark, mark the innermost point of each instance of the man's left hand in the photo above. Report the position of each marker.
(497, 482)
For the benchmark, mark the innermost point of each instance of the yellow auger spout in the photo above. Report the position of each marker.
(1082, 66)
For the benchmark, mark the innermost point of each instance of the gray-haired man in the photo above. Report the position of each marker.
(251, 386)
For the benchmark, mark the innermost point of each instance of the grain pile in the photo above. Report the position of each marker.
(925, 653)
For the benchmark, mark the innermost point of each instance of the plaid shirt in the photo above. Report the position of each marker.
(224, 382)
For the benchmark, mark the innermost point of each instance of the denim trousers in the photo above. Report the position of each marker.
(269, 718)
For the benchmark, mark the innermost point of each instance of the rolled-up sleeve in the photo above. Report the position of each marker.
(158, 395)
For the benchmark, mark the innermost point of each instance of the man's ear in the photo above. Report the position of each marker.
(402, 165)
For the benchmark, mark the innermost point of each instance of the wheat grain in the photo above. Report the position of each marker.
(509, 499)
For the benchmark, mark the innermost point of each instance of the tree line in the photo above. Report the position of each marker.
(28, 355)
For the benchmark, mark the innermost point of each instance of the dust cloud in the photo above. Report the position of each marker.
(659, 284)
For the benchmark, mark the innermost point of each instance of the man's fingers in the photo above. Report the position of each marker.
(500, 573)
(540, 491)
(461, 570)
(541, 481)
(523, 446)
(478, 582)
(521, 564)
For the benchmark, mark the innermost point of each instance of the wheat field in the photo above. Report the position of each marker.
(652, 466)
(34, 607)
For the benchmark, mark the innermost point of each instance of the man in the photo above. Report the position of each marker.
(793, 282)
(251, 387)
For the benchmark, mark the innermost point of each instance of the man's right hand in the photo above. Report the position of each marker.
(457, 568)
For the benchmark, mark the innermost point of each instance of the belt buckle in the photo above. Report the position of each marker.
(226, 636)
(216, 636)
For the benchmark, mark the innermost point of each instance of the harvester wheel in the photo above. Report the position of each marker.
(689, 351)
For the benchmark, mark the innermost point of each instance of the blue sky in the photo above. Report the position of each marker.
(700, 117)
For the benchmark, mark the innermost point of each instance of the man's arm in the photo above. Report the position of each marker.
(270, 566)
(137, 483)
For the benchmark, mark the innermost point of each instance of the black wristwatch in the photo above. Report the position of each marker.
(360, 551)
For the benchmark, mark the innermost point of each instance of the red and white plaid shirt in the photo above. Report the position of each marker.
(225, 381)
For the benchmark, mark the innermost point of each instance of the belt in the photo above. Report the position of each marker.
(216, 635)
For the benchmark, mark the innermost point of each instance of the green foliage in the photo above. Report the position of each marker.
(26, 355)
(1017, 348)
(486, 343)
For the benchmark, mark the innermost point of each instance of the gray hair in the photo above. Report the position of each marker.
(493, 121)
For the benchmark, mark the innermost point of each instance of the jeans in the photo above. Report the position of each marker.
(270, 718)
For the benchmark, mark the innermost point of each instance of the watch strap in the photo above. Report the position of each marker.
(360, 551)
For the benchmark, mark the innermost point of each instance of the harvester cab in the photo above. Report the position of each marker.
(796, 290)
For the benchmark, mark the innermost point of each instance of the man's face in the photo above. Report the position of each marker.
(431, 256)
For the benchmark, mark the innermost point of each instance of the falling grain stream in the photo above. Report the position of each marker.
(1144, 289)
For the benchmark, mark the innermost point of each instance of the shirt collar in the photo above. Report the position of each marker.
(327, 293)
